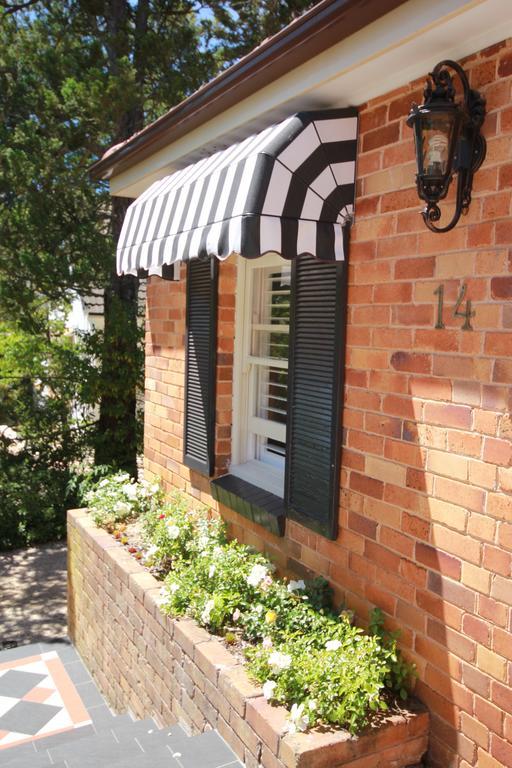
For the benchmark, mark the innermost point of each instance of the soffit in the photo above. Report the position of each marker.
(399, 47)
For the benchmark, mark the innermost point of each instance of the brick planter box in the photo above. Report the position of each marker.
(173, 670)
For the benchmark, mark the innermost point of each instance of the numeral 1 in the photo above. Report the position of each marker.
(439, 292)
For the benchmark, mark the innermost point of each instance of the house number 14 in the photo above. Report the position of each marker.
(461, 298)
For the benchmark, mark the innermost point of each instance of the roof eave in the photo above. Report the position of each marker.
(327, 23)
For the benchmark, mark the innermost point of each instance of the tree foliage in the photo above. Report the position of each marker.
(77, 76)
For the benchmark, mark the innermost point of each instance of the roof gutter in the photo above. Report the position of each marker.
(326, 24)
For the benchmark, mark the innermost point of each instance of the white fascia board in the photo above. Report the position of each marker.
(400, 47)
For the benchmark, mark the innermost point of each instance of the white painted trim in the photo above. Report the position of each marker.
(261, 475)
(401, 46)
(245, 426)
(239, 402)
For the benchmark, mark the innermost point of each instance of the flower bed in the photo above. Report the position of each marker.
(306, 656)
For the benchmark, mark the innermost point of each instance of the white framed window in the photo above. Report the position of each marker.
(262, 333)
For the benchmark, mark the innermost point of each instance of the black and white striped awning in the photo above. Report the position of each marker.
(287, 190)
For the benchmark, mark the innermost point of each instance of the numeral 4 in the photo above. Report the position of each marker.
(468, 313)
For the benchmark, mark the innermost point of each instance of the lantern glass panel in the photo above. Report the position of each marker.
(436, 132)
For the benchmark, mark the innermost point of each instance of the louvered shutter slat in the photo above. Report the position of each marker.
(315, 393)
(201, 346)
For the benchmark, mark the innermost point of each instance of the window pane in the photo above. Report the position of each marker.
(273, 393)
(270, 341)
(266, 344)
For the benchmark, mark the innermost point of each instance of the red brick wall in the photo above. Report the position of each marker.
(426, 505)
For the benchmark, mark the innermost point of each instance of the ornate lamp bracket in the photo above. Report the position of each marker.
(466, 147)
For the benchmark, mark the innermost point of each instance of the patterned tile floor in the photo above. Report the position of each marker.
(52, 715)
(38, 697)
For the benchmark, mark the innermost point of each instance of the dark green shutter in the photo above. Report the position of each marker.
(317, 345)
(200, 365)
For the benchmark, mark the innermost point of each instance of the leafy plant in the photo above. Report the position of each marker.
(307, 656)
(401, 675)
(119, 498)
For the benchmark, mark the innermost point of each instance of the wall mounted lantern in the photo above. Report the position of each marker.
(448, 140)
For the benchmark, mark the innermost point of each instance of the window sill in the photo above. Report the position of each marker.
(260, 506)
(261, 475)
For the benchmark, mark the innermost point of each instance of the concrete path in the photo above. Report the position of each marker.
(33, 595)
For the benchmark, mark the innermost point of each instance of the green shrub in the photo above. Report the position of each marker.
(119, 498)
(34, 498)
(85, 478)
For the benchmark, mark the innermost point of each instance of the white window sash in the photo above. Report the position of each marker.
(247, 427)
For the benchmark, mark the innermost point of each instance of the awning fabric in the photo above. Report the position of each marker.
(287, 190)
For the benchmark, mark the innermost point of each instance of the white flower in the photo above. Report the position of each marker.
(172, 530)
(298, 721)
(104, 483)
(295, 586)
(150, 553)
(257, 574)
(122, 506)
(332, 645)
(266, 582)
(312, 705)
(236, 614)
(130, 490)
(205, 616)
(267, 642)
(211, 572)
(268, 689)
(173, 587)
(279, 661)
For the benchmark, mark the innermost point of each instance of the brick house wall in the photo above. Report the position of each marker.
(426, 506)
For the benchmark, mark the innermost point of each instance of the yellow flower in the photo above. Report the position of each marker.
(270, 617)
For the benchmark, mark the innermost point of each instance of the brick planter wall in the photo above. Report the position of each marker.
(174, 670)
(425, 519)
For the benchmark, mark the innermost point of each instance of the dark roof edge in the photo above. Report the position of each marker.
(327, 23)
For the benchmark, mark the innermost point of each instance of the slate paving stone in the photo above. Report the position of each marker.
(135, 728)
(67, 653)
(100, 750)
(176, 743)
(41, 760)
(13, 654)
(77, 672)
(23, 752)
(89, 694)
(159, 758)
(103, 719)
(28, 717)
(16, 684)
(42, 745)
(208, 750)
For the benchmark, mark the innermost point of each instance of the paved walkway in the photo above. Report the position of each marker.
(51, 713)
(53, 716)
(33, 595)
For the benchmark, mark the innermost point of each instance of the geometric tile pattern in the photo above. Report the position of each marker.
(37, 699)
(17, 683)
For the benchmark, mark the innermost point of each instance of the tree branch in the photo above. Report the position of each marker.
(8, 8)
